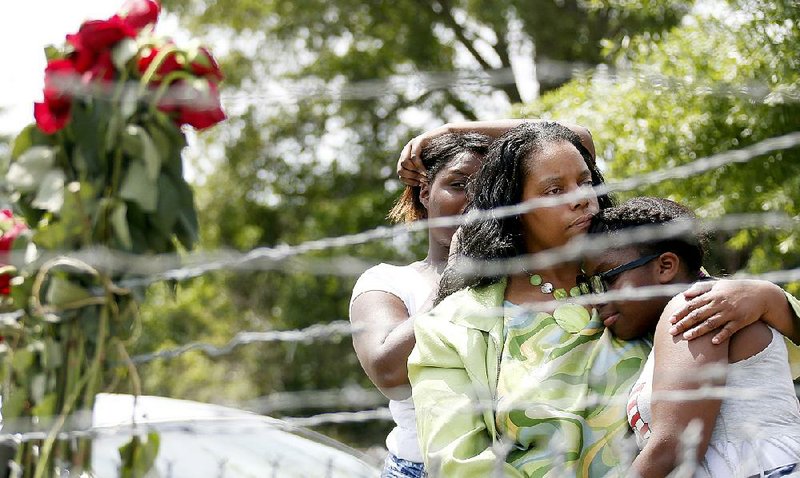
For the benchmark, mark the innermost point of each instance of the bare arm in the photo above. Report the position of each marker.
(411, 171)
(726, 306)
(383, 339)
(680, 366)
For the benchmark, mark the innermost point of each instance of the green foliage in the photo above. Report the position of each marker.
(138, 456)
(710, 86)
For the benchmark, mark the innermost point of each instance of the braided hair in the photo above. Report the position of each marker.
(644, 211)
(436, 155)
(499, 183)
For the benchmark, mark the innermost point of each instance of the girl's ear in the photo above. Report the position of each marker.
(425, 194)
(668, 265)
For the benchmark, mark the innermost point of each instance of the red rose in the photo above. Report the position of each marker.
(172, 62)
(195, 105)
(99, 35)
(203, 64)
(140, 13)
(48, 119)
(52, 114)
(102, 69)
(11, 229)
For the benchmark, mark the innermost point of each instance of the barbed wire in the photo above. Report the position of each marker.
(80, 424)
(292, 90)
(317, 332)
(335, 331)
(173, 267)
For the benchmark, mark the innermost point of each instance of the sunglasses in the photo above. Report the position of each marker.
(600, 283)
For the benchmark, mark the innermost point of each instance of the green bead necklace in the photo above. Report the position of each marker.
(547, 288)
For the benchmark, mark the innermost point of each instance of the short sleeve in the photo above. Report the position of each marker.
(383, 278)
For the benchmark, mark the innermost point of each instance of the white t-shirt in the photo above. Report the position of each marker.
(414, 289)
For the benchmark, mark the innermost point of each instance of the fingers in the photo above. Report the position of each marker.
(690, 314)
(405, 154)
(412, 178)
(725, 333)
(711, 323)
(410, 169)
(416, 155)
(698, 289)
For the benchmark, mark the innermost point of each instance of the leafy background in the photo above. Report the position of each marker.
(659, 84)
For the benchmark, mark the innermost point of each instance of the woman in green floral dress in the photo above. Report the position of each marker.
(509, 378)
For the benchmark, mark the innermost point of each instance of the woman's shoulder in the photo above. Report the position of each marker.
(404, 282)
(478, 307)
(385, 272)
(387, 268)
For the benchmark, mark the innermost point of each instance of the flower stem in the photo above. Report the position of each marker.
(166, 85)
(151, 70)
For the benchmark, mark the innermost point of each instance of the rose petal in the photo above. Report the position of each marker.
(140, 13)
(204, 64)
(48, 120)
(98, 35)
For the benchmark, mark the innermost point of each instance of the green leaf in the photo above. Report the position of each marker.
(62, 291)
(50, 195)
(169, 141)
(52, 53)
(186, 229)
(26, 138)
(137, 457)
(52, 357)
(27, 172)
(22, 361)
(66, 233)
(46, 407)
(90, 124)
(119, 221)
(139, 144)
(139, 188)
(21, 292)
(168, 201)
(115, 124)
(14, 403)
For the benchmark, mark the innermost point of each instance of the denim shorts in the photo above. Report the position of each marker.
(395, 467)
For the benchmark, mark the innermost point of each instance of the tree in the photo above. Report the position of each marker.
(717, 83)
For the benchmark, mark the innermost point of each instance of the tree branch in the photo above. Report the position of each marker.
(461, 106)
(446, 15)
(501, 47)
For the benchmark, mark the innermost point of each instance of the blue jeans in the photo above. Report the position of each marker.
(395, 467)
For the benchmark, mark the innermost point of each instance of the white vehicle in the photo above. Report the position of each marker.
(200, 440)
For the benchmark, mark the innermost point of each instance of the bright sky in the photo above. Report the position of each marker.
(25, 29)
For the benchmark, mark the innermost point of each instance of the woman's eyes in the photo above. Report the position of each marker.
(560, 190)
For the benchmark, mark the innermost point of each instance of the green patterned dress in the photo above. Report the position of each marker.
(561, 391)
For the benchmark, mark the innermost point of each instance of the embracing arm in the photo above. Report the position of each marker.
(383, 339)
(452, 412)
(411, 171)
(680, 366)
(733, 305)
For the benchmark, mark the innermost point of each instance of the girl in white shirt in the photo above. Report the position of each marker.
(748, 423)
